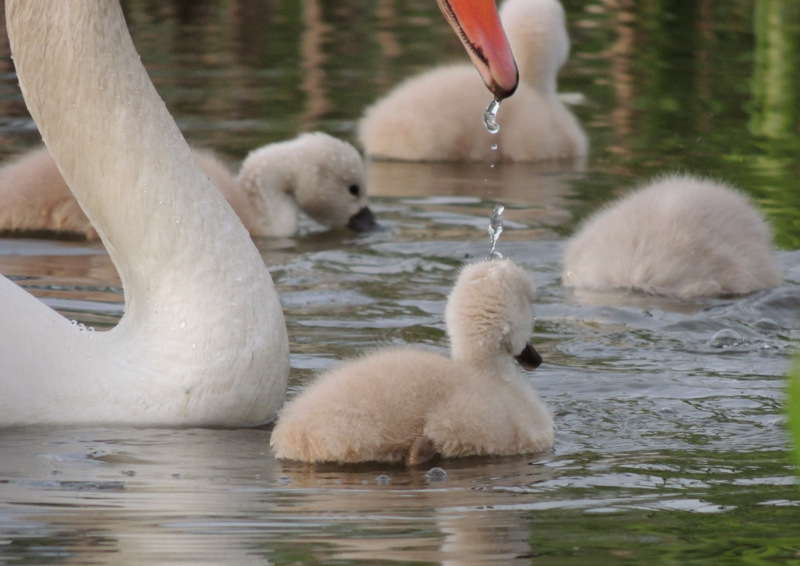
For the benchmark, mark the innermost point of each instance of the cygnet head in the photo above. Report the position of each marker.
(331, 187)
(538, 36)
(490, 318)
(314, 173)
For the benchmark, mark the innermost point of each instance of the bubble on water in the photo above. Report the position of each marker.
(436, 474)
(767, 324)
(495, 229)
(490, 117)
(726, 338)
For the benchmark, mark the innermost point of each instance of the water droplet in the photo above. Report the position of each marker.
(383, 479)
(490, 117)
(494, 147)
(436, 474)
(182, 324)
(495, 229)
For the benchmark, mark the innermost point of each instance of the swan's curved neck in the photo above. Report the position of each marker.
(117, 145)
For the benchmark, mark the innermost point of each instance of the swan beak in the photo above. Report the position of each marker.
(529, 359)
(362, 221)
(477, 24)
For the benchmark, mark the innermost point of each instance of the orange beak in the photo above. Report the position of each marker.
(478, 26)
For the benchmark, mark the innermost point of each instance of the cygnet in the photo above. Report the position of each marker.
(314, 173)
(678, 236)
(436, 116)
(409, 405)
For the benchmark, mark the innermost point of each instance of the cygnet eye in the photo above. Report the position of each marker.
(355, 190)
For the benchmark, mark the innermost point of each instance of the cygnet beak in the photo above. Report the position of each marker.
(362, 221)
(529, 359)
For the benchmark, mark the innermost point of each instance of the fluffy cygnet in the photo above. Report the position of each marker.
(408, 404)
(314, 173)
(678, 236)
(436, 116)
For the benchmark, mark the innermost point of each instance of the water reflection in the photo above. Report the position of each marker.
(775, 69)
(541, 188)
(658, 422)
(136, 496)
(131, 496)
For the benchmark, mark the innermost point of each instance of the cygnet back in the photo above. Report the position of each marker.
(678, 236)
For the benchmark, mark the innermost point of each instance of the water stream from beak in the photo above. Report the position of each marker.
(490, 116)
(495, 229)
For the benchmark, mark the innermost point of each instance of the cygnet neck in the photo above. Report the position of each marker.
(267, 179)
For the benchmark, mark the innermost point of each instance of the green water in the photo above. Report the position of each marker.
(671, 448)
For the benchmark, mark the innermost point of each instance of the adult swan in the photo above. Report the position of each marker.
(202, 341)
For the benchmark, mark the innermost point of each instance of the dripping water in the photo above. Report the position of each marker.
(490, 116)
(495, 229)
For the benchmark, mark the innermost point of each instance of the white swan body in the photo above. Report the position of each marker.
(407, 404)
(678, 236)
(202, 340)
(313, 173)
(435, 116)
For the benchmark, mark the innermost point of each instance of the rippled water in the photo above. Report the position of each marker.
(670, 445)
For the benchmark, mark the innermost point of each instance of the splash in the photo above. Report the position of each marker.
(490, 116)
(495, 229)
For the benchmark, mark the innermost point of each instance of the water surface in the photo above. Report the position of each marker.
(670, 446)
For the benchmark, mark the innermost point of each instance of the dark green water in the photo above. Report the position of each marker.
(671, 446)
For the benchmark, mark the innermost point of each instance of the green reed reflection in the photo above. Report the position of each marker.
(775, 67)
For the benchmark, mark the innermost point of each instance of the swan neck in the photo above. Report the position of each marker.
(115, 143)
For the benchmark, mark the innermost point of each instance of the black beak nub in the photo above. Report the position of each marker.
(529, 358)
(362, 221)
